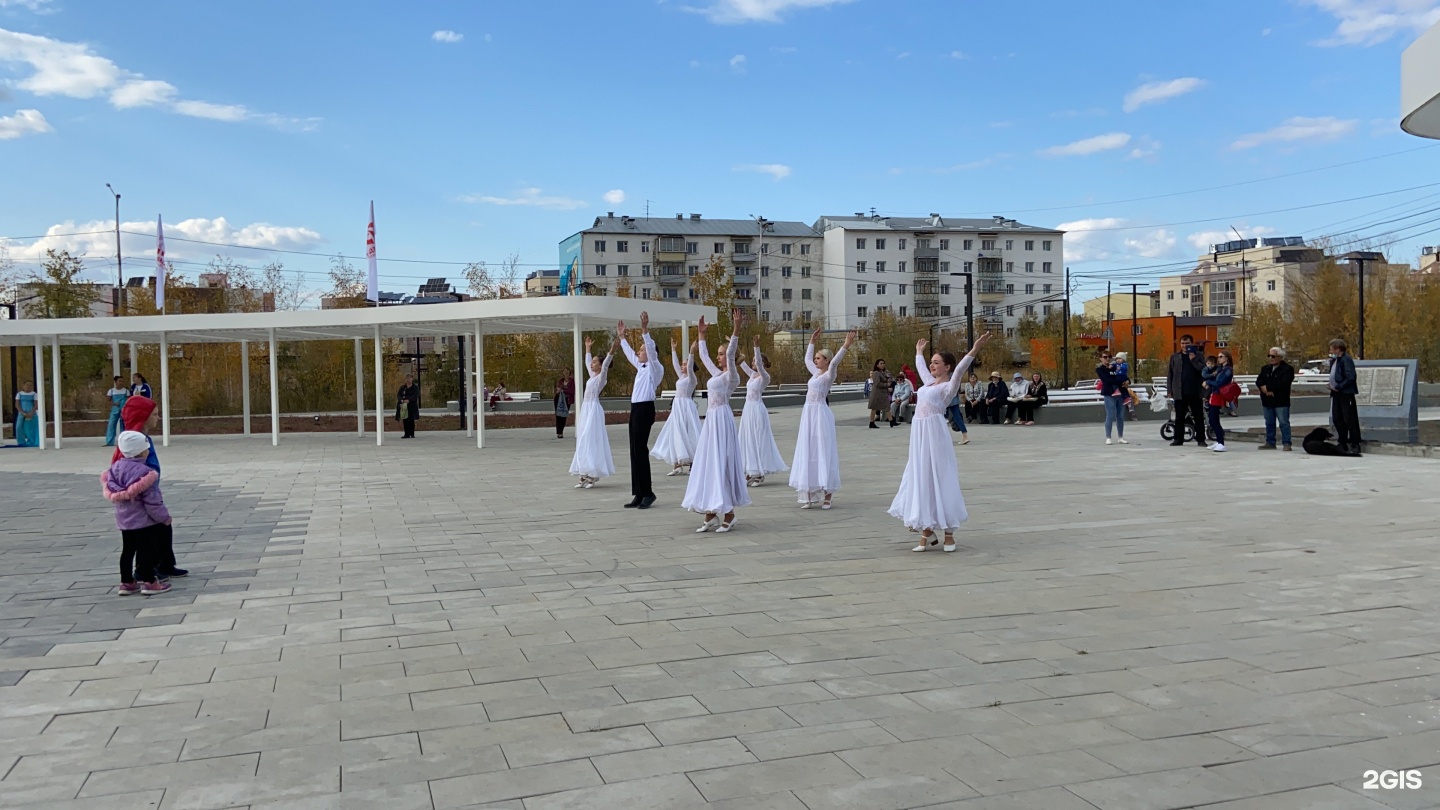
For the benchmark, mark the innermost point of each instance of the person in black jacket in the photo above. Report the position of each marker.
(1343, 388)
(996, 395)
(1274, 382)
(407, 406)
(1182, 382)
(1037, 395)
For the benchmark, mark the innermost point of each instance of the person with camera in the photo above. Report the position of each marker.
(1183, 381)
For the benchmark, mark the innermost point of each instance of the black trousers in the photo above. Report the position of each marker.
(1190, 407)
(1012, 407)
(560, 424)
(642, 418)
(970, 415)
(1346, 419)
(1027, 411)
(139, 549)
(409, 429)
(992, 412)
(165, 553)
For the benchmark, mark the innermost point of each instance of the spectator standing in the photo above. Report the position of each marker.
(879, 393)
(407, 406)
(995, 395)
(1037, 395)
(1217, 381)
(1112, 389)
(27, 420)
(1183, 384)
(140, 387)
(1343, 388)
(1274, 382)
(117, 395)
(564, 400)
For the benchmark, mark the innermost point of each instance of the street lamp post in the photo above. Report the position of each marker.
(119, 267)
(1358, 258)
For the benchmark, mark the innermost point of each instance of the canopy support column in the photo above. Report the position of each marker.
(472, 390)
(379, 390)
(359, 389)
(134, 363)
(55, 372)
(115, 358)
(684, 339)
(274, 392)
(40, 390)
(245, 384)
(581, 373)
(480, 403)
(164, 390)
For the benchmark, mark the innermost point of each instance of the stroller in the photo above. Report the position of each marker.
(1164, 404)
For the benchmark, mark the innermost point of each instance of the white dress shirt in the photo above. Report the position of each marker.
(649, 374)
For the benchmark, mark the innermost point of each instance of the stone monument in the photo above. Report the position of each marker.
(1388, 401)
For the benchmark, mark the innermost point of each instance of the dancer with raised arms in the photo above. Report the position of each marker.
(592, 459)
(676, 444)
(757, 442)
(815, 470)
(649, 373)
(717, 480)
(929, 499)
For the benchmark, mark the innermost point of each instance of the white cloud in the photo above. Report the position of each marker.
(785, 49)
(737, 63)
(730, 12)
(37, 6)
(1299, 129)
(957, 54)
(448, 36)
(1156, 92)
(779, 171)
(23, 122)
(1145, 147)
(615, 196)
(1089, 146)
(488, 38)
(1202, 240)
(903, 55)
(694, 63)
(527, 196)
(1370, 22)
(1112, 238)
(1078, 113)
(69, 69)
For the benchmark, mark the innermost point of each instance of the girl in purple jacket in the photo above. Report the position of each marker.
(140, 514)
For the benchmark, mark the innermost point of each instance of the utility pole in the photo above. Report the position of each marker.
(464, 396)
(1065, 346)
(1360, 344)
(969, 309)
(119, 268)
(1109, 320)
(1135, 326)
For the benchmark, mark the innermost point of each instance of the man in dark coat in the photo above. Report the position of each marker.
(407, 406)
(1274, 382)
(1182, 382)
(1343, 388)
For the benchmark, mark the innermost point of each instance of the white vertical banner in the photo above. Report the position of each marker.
(159, 264)
(372, 279)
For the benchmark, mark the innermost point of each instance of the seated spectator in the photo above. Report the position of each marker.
(1018, 387)
(996, 395)
(498, 394)
(1037, 395)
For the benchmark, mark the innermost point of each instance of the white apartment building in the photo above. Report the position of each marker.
(916, 266)
(776, 266)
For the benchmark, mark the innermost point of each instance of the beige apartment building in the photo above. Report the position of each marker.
(1235, 274)
(1117, 306)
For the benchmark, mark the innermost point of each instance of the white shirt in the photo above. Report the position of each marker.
(648, 375)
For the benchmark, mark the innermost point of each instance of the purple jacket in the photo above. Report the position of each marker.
(135, 490)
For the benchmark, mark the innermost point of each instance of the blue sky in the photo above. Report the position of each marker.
(482, 130)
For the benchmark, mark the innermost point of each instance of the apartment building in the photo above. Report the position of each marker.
(775, 265)
(1118, 305)
(1430, 261)
(1238, 273)
(918, 266)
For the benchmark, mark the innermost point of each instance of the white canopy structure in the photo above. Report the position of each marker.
(574, 314)
(1420, 85)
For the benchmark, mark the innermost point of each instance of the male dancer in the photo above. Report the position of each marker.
(649, 373)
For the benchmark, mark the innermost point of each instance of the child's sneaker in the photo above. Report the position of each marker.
(152, 588)
(128, 588)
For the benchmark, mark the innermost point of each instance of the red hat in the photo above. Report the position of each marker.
(136, 411)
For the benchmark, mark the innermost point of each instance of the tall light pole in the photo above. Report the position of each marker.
(1358, 259)
(119, 269)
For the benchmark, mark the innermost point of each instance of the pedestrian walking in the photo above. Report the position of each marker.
(1275, 381)
(649, 373)
(879, 399)
(1112, 392)
(815, 469)
(592, 460)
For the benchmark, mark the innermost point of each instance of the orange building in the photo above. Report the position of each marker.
(1148, 350)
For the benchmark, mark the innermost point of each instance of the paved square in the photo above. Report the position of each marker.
(425, 625)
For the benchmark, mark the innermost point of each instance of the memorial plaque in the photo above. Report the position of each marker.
(1364, 383)
(1387, 400)
(1388, 388)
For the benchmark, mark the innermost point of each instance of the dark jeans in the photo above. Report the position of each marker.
(1011, 408)
(1346, 419)
(1027, 411)
(1189, 408)
(642, 418)
(1275, 414)
(1216, 431)
(992, 413)
(409, 429)
(140, 548)
(560, 425)
(970, 411)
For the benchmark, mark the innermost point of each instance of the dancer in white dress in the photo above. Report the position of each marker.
(682, 428)
(815, 470)
(592, 445)
(929, 499)
(757, 442)
(717, 480)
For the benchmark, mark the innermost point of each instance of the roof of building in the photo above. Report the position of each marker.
(695, 225)
(934, 222)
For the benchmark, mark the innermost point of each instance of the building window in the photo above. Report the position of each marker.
(805, 318)
(879, 267)
(1009, 267)
(969, 267)
(1047, 310)
(859, 289)
(785, 271)
(1029, 309)
(879, 289)
(622, 269)
(904, 311)
(669, 292)
(987, 244)
(764, 248)
(645, 270)
(1029, 267)
(764, 271)
(765, 293)
(1029, 244)
(785, 249)
(786, 294)
(1270, 285)
(879, 244)
(902, 288)
(1047, 268)
(599, 245)
(1009, 289)
(944, 289)
(644, 247)
(1169, 295)
(671, 244)
(622, 247)
(989, 310)
(859, 244)
(1045, 245)
(645, 293)
(1045, 289)
(902, 244)
(859, 267)
(921, 243)
(1222, 298)
(746, 293)
(692, 248)
(764, 314)
(719, 248)
(741, 247)
(945, 312)
(944, 267)
(902, 267)
(805, 294)
(862, 312)
(1009, 331)
(694, 268)
(804, 250)
(945, 244)
(805, 272)
(694, 293)
(599, 269)
(787, 315)
(1009, 244)
(1029, 289)
(1184, 293)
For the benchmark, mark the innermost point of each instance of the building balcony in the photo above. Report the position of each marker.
(673, 279)
(746, 279)
(743, 258)
(671, 257)
(989, 296)
(924, 298)
(927, 253)
(747, 304)
(991, 253)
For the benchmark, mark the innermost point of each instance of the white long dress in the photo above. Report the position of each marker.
(816, 466)
(929, 496)
(758, 450)
(717, 482)
(678, 437)
(592, 444)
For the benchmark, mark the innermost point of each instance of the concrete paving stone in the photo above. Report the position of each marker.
(456, 739)
(421, 769)
(666, 687)
(404, 721)
(88, 760)
(652, 793)
(757, 697)
(996, 773)
(634, 713)
(785, 743)
(1187, 787)
(275, 762)
(386, 797)
(924, 757)
(841, 710)
(483, 693)
(202, 771)
(517, 783)
(510, 708)
(1201, 750)
(771, 777)
(799, 673)
(43, 790)
(148, 799)
(1327, 797)
(521, 753)
(717, 726)
(1048, 798)
(893, 792)
(672, 759)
